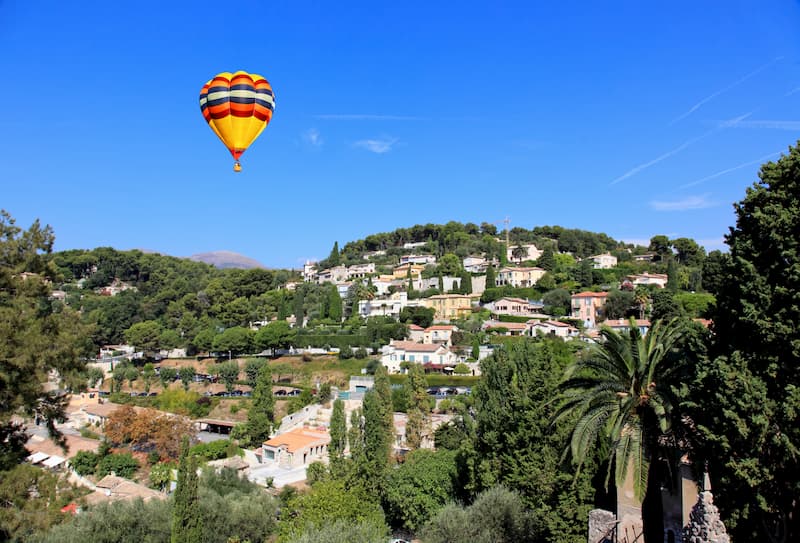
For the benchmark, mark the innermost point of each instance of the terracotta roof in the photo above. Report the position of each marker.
(415, 347)
(299, 438)
(522, 269)
(415, 327)
(557, 324)
(113, 488)
(510, 325)
(623, 323)
(75, 444)
(441, 327)
(102, 410)
(590, 295)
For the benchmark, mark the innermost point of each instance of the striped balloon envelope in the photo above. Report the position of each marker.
(237, 107)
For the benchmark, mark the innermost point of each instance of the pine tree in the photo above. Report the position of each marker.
(547, 261)
(187, 526)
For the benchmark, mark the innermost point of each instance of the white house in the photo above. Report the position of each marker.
(645, 279)
(621, 325)
(531, 252)
(397, 352)
(357, 271)
(475, 264)
(336, 274)
(439, 333)
(507, 328)
(387, 306)
(418, 259)
(603, 262)
(553, 328)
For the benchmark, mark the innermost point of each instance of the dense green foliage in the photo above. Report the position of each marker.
(751, 437)
(187, 523)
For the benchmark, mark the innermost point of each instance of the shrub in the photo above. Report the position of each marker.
(85, 462)
(123, 465)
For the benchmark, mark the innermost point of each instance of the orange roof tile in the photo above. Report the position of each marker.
(590, 295)
(299, 438)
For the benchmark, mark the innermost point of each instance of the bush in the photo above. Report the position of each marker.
(361, 353)
(122, 465)
(215, 450)
(345, 353)
(85, 462)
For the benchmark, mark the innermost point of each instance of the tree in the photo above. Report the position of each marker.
(585, 277)
(186, 373)
(419, 407)
(374, 459)
(262, 410)
(251, 369)
(449, 265)
(187, 526)
(547, 260)
(161, 475)
(236, 340)
(334, 259)
(491, 281)
(383, 389)
(37, 336)
(167, 375)
(275, 335)
(619, 304)
(148, 375)
(673, 278)
(557, 302)
(421, 316)
(751, 437)
(144, 335)
(122, 464)
(620, 396)
(229, 373)
(94, 376)
(420, 487)
(661, 246)
(688, 252)
(338, 434)
(518, 253)
(466, 282)
(334, 305)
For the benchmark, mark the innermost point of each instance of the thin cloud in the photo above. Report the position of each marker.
(366, 117)
(713, 95)
(684, 204)
(313, 137)
(791, 92)
(762, 123)
(379, 146)
(729, 170)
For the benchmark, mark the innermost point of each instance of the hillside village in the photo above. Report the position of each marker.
(265, 370)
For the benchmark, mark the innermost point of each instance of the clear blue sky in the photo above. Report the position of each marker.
(631, 118)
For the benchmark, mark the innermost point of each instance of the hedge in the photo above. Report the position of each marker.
(338, 340)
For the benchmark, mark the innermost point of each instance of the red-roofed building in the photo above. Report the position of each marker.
(553, 328)
(296, 448)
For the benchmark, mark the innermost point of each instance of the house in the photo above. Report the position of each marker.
(475, 264)
(309, 271)
(439, 333)
(403, 270)
(418, 259)
(389, 306)
(512, 306)
(336, 274)
(588, 307)
(112, 488)
(115, 288)
(414, 245)
(98, 414)
(530, 252)
(552, 328)
(296, 448)
(358, 271)
(603, 262)
(416, 333)
(647, 257)
(108, 351)
(449, 306)
(448, 283)
(507, 328)
(621, 325)
(518, 277)
(646, 279)
(401, 421)
(397, 352)
(383, 282)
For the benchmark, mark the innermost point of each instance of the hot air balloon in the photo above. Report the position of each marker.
(237, 107)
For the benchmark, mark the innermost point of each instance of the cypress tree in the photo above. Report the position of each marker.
(384, 391)
(334, 258)
(418, 406)
(491, 282)
(441, 284)
(187, 526)
(466, 283)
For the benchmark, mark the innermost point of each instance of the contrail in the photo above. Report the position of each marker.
(726, 89)
(665, 156)
(679, 148)
(729, 170)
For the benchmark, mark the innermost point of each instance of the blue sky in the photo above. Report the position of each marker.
(631, 118)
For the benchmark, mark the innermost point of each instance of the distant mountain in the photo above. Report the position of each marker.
(227, 259)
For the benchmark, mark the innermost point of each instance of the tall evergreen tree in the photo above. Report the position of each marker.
(547, 261)
(299, 306)
(419, 408)
(384, 391)
(672, 275)
(491, 280)
(187, 525)
(334, 304)
(466, 283)
(334, 259)
(338, 431)
(372, 463)
(746, 400)
(258, 427)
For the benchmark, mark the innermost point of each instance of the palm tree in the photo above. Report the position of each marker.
(619, 394)
(519, 252)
